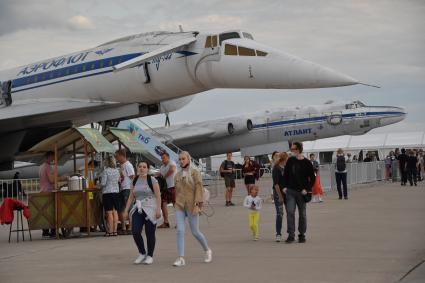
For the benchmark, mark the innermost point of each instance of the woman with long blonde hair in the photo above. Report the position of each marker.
(189, 201)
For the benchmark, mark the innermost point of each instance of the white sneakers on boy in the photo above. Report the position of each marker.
(208, 256)
(140, 259)
(179, 262)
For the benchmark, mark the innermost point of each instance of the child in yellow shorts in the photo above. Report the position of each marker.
(253, 202)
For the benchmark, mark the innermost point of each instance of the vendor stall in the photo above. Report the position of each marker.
(77, 203)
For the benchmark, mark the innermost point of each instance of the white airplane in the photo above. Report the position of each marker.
(134, 76)
(263, 132)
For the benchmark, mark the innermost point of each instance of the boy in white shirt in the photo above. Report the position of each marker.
(254, 203)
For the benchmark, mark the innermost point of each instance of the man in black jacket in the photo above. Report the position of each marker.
(299, 179)
(402, 162)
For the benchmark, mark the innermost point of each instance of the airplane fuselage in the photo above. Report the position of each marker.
(301, 124)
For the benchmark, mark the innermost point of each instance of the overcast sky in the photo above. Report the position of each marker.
(377, 42)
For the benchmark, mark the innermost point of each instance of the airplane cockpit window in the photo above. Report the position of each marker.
(350, 106)
(211, 41)
(261, 53)
(228, 35)
(360, 104)
(234, 50)
(243, 51)
(247, 35)
(230, 50)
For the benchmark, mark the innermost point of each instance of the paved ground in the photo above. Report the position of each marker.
(375, 236)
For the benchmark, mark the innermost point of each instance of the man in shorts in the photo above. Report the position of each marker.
(227, 170)
(126, 181)
(167, 171)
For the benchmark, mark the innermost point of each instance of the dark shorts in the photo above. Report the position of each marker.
(229, 181)
(249, 180)
(111, 201)
(169, 196)
(124, 195)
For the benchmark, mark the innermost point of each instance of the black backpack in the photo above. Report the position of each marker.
(149, 178)
(223, 166)
(162, 182)
(340, 163)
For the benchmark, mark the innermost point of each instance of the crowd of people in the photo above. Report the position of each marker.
(410, 164)
(135, 200)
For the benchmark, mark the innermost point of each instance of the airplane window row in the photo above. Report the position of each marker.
(72, 70)
(212, 41)
(234, 50)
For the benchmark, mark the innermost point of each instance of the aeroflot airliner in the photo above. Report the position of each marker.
(136, 75)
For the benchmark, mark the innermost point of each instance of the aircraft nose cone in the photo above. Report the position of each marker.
(393, 115)
(300, 73)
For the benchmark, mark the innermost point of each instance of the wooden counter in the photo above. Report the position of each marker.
(65, 209)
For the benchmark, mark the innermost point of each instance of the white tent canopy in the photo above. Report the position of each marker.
(368, 141)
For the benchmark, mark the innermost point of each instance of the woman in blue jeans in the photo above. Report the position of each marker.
(189, 200)
(146, 212)
(278, 185)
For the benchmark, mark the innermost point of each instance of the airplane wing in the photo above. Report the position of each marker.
(189, 133)
(155, 53)
(32, 108)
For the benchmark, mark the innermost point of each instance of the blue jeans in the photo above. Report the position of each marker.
(138, 221)
(194, 227)
(279, 213)
(294, 199)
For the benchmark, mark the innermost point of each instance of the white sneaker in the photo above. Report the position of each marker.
(140, 259)
(179, 262)
(148, 260)
(278, 238)
(256, 238)
(208, 256)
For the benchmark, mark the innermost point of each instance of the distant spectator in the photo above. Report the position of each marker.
(355, 158)
(227, 170)
(317, 190)
(402, 162)
(127, 176)
(368, 158)
(109, 182)
(17, 185)
(47, 182)
(348, 160)
(341, 174)
(168, 171)
(388, 163)
(248, 170)
(411, 168)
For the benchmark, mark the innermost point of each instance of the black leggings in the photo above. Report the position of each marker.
(138, 221)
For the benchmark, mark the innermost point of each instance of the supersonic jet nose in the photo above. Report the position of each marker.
(295, 72)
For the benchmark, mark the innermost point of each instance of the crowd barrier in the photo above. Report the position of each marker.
(357, 173)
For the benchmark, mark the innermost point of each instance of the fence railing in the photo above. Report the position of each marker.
(18, 188)
(357, 173)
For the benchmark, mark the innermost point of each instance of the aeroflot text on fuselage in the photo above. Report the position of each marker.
(58, 62)
(299, 132)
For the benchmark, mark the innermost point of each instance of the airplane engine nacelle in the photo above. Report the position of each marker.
(239, 126)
